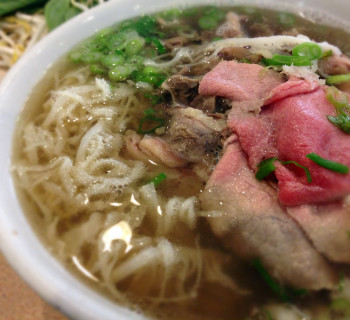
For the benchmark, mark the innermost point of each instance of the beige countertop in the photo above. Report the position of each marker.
(17, 300)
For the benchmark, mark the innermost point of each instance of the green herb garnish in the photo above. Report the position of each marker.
(286, 294)
(155, 99)
(328, 164)
(150, 123)
(267, 166)
(158, 179)
(307, 172)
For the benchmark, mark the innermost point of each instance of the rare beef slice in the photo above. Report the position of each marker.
(254, 225)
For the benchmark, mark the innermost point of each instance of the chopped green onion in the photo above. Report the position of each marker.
(207, 23)
(281, 60)
(287, 294)
(340, 101)
(150, 121)
(328, 164)
(149, 111)
(285, 19)
(91, 57)
(145, 26)
(327, 54)
(134, 46)
(112, 60)
(120, 73)
(158, 45)
(158, 179)
(170, 14)
(307, 172)
(97, 69)
(342, 121)
(265, 168)
(155, 99)
(310, 50)
(341, 306)
(216, 39)
(341, 282)
(267, 313)
(340, 78)
(150, 75)
(337, 98)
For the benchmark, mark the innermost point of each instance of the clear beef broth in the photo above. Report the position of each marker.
(90, 184)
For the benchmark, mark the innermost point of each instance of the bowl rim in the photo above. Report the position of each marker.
(18, 241)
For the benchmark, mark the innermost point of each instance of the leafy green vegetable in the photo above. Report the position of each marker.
(267, 166)
(286, 294)
(310, 50)
(158, 179)
(328, 164)
(58, 11)
(281, 60)
(9, 6)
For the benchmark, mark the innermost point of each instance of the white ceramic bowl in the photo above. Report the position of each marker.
(18, 242)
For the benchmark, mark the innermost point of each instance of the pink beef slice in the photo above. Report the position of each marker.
(290, 128)
(254, 225)
(247, 85)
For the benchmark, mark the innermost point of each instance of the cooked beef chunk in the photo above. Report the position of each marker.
(254, 225)
(258, 29)
(200, 69)
(222, 105)
(182, 89)
(334, 65)
(206, 104)
(239, 54)
(231, 28)
(247, 85)
(193, 134)
(175, 42)
(154, 148)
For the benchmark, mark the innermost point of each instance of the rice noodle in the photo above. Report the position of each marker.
(72, 167)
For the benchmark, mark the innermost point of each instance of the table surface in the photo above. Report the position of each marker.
(17, 300)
